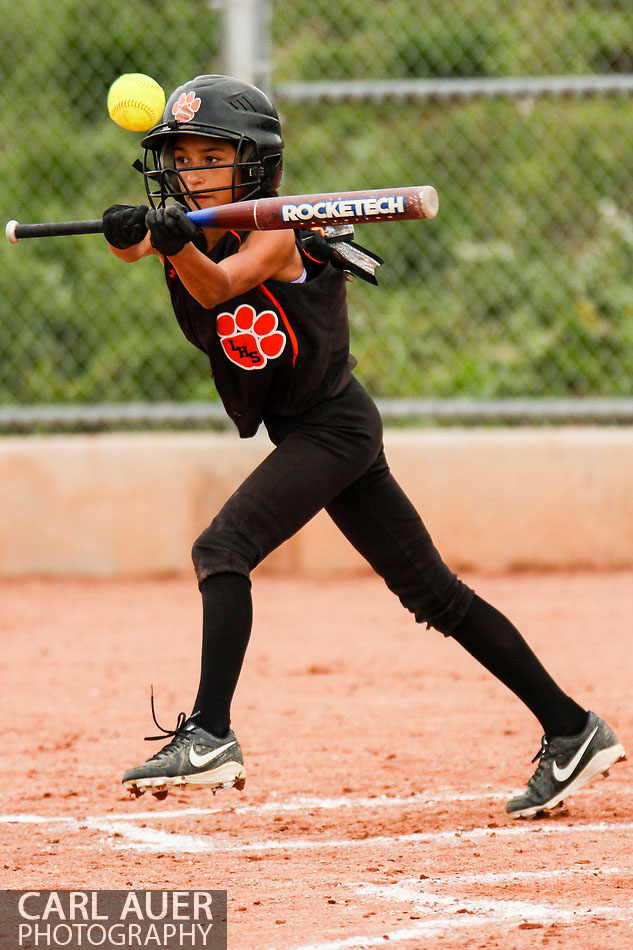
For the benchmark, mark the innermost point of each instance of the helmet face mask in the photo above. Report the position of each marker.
(217, 107)
(163, 180)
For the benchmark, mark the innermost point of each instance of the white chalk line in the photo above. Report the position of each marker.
(443, 913)
(300, 803)
(121, 833)
(123, 836)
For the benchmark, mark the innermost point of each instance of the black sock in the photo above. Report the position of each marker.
(498, 645)
(227, 616)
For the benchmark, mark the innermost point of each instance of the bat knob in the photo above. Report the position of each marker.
(10, 232)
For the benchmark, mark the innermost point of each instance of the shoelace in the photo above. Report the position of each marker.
(180, 722)
(543, 755)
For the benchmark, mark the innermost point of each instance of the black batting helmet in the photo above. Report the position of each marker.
(224, 108)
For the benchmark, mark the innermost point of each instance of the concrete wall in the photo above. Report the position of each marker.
(493, 499)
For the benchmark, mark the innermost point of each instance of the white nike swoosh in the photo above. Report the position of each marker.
(199, 760)
(561, 775)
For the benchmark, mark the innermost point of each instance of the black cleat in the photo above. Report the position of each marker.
(566, 763)
(193, 758)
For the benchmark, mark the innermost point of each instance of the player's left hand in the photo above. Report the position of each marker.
(170, 229)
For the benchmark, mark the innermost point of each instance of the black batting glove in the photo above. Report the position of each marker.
(170, 229)
(124, 225)
(331, 244)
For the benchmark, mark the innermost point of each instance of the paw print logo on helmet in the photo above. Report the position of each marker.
(185, 107)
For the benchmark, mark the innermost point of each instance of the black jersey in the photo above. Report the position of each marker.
(275, 350)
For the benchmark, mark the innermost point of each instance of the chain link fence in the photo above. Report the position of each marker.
(516, 302)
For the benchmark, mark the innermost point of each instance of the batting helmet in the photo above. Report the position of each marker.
(224, 108)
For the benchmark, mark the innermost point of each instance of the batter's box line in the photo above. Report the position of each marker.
(464, 914)
(304, 803)
(122, 836)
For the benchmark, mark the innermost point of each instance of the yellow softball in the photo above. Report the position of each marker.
(136, 102)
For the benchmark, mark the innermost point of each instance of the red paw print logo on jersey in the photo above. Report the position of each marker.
(250, 339)
(185, 106)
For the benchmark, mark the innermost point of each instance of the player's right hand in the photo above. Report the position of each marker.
(124, 225)
(170, 229)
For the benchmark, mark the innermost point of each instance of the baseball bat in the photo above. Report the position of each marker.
(272, 214)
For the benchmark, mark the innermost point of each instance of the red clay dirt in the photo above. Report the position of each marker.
(379, 757)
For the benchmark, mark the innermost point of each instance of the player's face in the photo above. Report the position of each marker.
(205, 165)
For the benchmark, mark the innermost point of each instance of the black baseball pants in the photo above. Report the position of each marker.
(331, 457)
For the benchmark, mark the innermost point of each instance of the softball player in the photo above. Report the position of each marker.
(269, 309)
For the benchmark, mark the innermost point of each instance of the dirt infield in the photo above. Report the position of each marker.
(379, 758)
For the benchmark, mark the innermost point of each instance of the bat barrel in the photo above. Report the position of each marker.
(354, 207)
(305, 211)
(15, 231)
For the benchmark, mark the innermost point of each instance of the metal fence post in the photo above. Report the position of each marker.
(247, 46)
